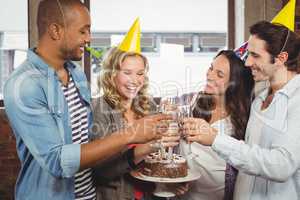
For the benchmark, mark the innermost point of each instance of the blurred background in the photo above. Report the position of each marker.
(179, 38)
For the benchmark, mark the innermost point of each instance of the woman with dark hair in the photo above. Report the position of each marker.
(268, 160)
(225, 105)
(236, 97)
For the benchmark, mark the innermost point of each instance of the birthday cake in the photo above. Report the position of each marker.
(166, 164)
(157, 166)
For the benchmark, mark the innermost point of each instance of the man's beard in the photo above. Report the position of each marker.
(70, 54)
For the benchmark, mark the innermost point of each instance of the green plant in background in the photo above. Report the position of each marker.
(94, 52)
(96, 57)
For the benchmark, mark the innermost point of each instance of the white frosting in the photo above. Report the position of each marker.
(155, 157)
(179, 159)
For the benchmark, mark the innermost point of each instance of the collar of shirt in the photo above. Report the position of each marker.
(288, 89)
(45, 69)
(43, 66)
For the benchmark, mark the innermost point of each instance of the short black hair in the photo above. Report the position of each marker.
(279, 39)
(53, 11)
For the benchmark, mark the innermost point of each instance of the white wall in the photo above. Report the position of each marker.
(160, 15)
(185, 78)
(13, 15)
(239, 22)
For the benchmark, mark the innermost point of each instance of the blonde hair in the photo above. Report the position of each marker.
(110, 66)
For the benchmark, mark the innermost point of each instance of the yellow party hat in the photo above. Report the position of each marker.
(286, 16)
(132, 40)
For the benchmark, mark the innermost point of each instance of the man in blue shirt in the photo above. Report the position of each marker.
(40, 115)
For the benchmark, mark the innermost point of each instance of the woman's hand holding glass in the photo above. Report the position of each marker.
(167, 139)
(146, 129)
(198, 130)
(184, 112)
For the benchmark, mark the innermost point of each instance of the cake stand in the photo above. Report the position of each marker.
(161, 183)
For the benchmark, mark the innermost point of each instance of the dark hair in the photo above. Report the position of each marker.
(51, 11)
(279, 39)
(238, 96)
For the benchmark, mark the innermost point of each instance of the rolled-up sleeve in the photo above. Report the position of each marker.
(70, 159)
(35, 127)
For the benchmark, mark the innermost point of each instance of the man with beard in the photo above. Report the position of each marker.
(47, 101)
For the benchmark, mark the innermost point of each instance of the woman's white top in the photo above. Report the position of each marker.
(211, 184)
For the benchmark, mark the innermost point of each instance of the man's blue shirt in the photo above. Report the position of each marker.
(38, 114)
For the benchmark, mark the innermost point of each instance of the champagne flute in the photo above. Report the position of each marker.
(186, 111)
(169, 105)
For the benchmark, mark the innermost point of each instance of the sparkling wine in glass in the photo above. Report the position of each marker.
(169, 106)
(185, 111)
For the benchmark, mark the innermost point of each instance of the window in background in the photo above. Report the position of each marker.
(149, 42)
(189, 23)
(13, 38)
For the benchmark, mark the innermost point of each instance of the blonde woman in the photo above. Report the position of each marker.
(124, 82)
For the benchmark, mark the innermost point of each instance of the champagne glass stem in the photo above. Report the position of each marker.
(170, 152)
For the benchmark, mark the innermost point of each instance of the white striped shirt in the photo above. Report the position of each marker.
(84, 185)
